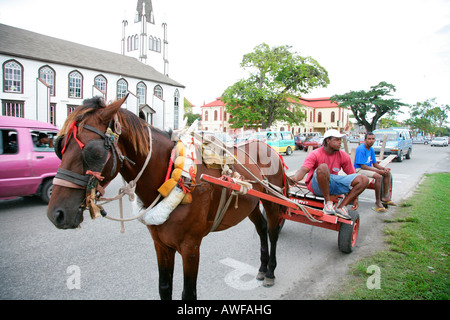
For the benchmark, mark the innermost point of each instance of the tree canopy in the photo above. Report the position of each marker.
(369, 106)
(429, 117)
(276, 74)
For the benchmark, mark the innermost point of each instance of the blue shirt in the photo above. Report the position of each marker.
(364, 156)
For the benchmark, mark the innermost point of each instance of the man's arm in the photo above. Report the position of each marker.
(300, 174)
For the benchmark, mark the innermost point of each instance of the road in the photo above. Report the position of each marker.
(96, 261)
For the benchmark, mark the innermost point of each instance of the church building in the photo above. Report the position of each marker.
(45, 78)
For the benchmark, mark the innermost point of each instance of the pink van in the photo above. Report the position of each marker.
(28, 162)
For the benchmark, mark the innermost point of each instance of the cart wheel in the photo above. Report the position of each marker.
(349, 233)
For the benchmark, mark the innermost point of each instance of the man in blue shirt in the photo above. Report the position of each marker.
(366, 164)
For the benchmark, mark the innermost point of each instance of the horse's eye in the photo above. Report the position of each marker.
(94, 155)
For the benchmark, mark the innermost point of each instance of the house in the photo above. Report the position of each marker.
(321, 115)
(214, 116)
(45, 78)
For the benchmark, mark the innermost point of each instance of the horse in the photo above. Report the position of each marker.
(98, 141)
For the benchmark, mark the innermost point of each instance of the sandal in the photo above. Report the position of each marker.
(379, 210)
(389, 203)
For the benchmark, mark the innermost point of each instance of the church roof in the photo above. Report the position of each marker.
(30, 45)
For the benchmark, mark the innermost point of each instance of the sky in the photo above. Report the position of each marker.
(359, 42)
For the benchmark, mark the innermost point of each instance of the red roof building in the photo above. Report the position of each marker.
(321, 115)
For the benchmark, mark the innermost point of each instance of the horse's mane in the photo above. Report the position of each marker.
(128, 121)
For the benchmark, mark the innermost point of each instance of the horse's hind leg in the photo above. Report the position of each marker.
(166, 260)
(261, 228)
(268, 257)
(272, 214)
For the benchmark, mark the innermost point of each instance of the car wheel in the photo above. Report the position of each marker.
(46, 191)
(288, 151)
(408, 155)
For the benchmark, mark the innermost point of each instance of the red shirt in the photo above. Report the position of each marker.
(335, 162)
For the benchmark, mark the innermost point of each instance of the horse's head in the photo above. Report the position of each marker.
(90, 159)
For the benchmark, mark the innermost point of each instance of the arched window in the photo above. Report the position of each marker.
(333, 116)
(122, 88)
(310, 117)
(47, 75)
(136, 42)
(206, 116)
(319, 117)
(12, 76)
(158, 91)
(151, 43)
(141, 90)
(100, 83)
(129, 44)
(215, 115)
(75, 85)
(158, 45)
(176, 99)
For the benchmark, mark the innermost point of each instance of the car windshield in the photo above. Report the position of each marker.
(390, 136)
(439, 139)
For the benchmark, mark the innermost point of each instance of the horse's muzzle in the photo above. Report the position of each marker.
(65, 220)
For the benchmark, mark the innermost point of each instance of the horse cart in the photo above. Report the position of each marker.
(306, 207)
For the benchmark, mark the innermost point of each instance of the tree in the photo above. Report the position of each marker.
(276, 74)
(428, 116)
(188, 113)
(372, 103)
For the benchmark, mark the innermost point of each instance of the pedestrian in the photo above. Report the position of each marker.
(367, 165)
(322, 166)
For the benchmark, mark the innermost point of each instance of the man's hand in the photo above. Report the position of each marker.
(355, 204)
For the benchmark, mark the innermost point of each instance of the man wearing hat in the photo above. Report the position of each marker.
(323, 165)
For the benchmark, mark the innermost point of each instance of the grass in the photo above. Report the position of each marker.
(416, 264)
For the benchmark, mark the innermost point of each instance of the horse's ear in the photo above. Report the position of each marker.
(110, 110)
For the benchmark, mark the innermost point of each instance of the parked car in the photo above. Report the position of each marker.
(299, 138)
(315, 142)
(399, 142)
(28, 162)
(439, 141)
(353, 139)
(420, 140)
(281, 141)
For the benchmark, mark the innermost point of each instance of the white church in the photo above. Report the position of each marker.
(45, 79)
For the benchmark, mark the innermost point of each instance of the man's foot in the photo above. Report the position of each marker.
(343, 213)
(389, 203)
(328, 208)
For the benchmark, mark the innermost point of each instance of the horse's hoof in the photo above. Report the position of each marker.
(268, 282)
(260, 276)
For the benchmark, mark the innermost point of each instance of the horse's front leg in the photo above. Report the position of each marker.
(166, 260)
(191, 256)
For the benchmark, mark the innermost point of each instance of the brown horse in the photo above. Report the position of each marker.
(91, 159)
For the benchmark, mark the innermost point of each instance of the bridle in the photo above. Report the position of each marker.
(95, 154)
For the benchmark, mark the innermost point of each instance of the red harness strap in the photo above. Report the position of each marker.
(73, 129)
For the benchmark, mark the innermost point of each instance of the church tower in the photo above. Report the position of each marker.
(146, 38)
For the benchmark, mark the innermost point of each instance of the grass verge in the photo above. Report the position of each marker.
(416, 264)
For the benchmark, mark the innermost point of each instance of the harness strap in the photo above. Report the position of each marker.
(73, 177)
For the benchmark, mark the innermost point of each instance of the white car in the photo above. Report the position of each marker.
(439, 141)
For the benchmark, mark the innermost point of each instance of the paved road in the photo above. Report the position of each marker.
(98, 262)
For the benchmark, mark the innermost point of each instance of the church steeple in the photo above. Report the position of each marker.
(144, 8)
(144, 39)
